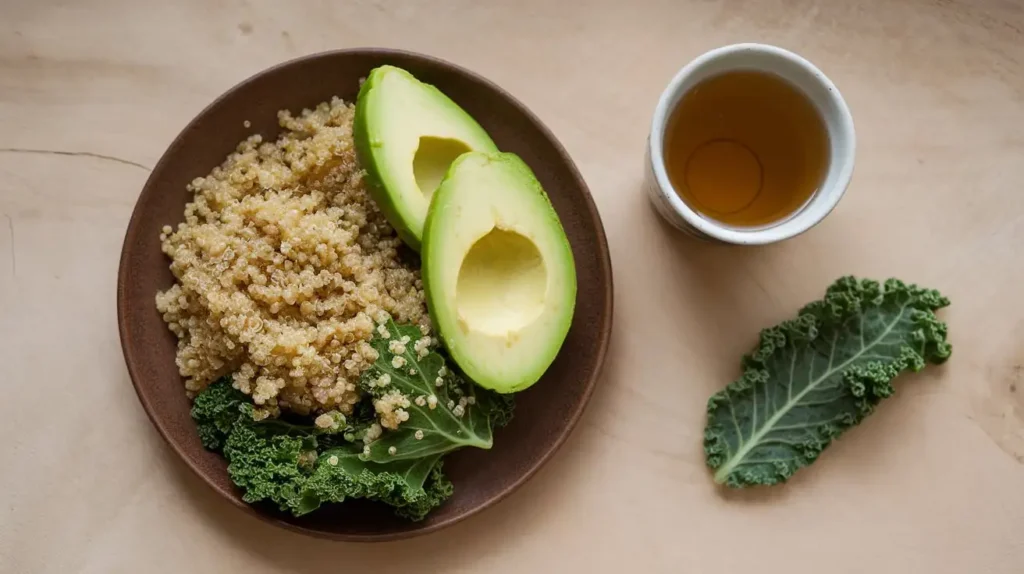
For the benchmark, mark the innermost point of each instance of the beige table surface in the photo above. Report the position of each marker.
(92, 92)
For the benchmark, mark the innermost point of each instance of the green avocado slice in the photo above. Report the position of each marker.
(498, 271)
(407, 133)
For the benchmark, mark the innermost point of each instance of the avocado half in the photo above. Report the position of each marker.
(498, 271)
(407, 133)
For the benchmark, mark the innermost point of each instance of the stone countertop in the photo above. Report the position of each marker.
(92, 92)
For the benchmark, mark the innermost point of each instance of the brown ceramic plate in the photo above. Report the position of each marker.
(545, 414)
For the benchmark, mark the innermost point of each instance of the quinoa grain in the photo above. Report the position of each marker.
(282, 264)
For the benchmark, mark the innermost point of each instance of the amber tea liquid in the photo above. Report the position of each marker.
(746, 149)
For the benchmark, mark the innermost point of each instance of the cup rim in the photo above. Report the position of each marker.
(786, 228)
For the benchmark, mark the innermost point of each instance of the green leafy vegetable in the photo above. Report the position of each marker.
(288, 464)
(445, 412)
(413, 487)
(266, 462)
(215, 411)
(299, 467)
(814, 377)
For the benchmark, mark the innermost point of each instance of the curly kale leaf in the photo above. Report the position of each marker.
(412, 487)
(299, 468)
(816, 376)
(499, 406)
(439, 410)
(215, 411)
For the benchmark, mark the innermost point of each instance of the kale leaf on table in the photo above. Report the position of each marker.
(300, 467)
(813, 377)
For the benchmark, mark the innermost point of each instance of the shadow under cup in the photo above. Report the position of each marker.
(799, 74)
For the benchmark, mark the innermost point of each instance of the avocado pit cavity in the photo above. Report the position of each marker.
(433, 158)
(501, 284)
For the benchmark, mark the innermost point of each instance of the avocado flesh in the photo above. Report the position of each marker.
(498, 271)
(407, 133)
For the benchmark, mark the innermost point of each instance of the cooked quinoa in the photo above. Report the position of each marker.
(283, 265)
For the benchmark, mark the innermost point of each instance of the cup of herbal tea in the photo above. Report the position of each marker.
(749, 144)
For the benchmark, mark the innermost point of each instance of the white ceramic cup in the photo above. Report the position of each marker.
(799, 73)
